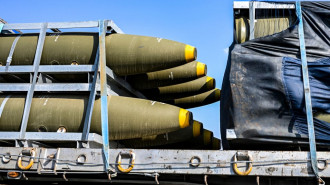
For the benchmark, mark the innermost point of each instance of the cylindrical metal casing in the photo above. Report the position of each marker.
(180, 135)
(262, 27)
(203, 141)
(125, 54)
(175, 75)
(216, 144)
(181, 90)
(127, 117)
(197, 100)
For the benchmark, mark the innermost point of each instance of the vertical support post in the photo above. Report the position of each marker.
(252, 12)
(104, 97)
(91, 100)
(36, 63)
(308, 100)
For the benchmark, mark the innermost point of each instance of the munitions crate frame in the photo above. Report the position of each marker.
(98, 73)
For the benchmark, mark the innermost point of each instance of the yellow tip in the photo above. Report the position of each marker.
(200, 69)
(217, 94)
(197, 127)
(207, 136)
(190, 53)
(184, 118)
(210, 82)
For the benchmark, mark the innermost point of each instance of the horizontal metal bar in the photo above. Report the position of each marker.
(50, 136)
(263, 5)
(46, 87)
(58, 25)
(48, 69)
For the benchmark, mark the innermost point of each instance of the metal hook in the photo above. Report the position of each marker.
(205, 179)
(64, 177)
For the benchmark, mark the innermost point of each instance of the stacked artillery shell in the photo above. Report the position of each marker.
(172, 76)
(125, 54)
(216, 144)
(262, 27)
(203, 141)
(53, 112)
(181, 90)
(163, 70)
(205, 98)
(192, 131)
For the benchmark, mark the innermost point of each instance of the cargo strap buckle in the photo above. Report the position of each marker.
(30, 153)
(237, 171)
(131, 154)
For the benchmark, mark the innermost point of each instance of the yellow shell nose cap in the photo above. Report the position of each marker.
(207, 136)
(197, 127)
(200, 69)
(190, 53)
(184, 118)
(210, 83)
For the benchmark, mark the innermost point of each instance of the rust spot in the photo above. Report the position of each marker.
(270, 170)
(304, 170)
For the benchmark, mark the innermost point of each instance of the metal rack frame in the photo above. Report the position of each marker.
(103, 79)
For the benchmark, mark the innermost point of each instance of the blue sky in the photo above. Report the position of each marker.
(207, 25)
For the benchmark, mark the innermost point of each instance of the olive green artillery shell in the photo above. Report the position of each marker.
(203, 141)
(181, 90)
(180, 135)
(216, 144)
(175, 75)
(262, 27)
(197, 100)
(125, 54)
(127, 117)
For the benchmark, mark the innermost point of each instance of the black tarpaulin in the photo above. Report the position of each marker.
(262, 96)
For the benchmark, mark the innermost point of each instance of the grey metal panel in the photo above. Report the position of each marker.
(265, 163)
(219, 162)
(263, 5)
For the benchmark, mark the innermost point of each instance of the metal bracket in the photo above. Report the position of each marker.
(155, 175)
(205, 179)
